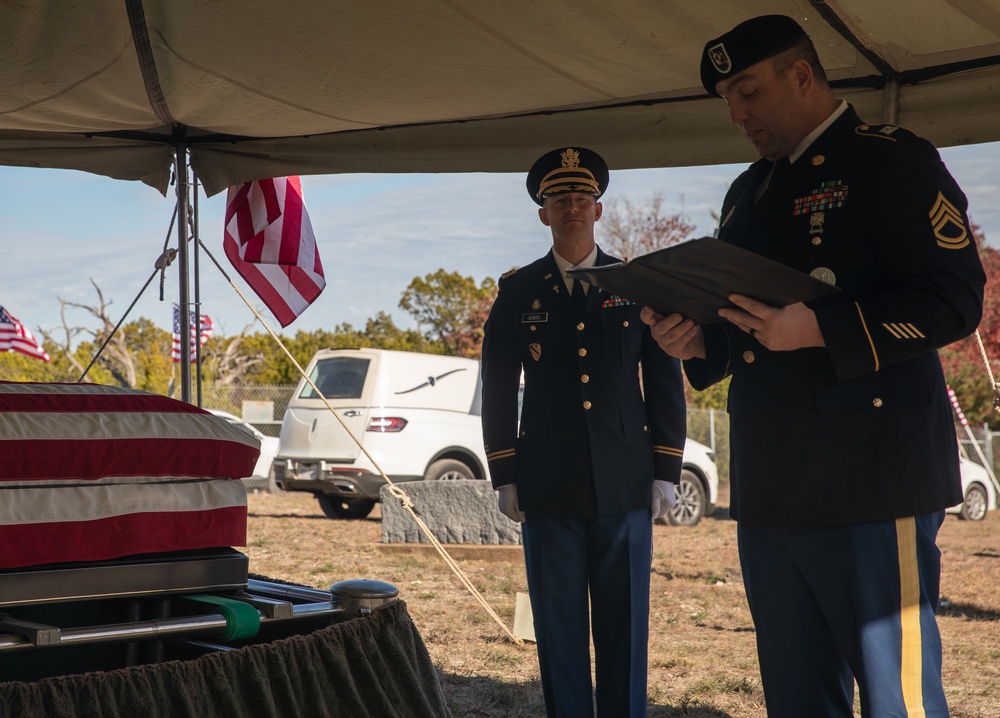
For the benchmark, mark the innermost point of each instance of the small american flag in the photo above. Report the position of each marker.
(206, 332)
(15, 337)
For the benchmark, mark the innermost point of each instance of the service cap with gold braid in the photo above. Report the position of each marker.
(568, 169)
(747, 44)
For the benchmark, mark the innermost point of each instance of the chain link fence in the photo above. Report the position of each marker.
(980, 444)
(711, 428)
(262, 405)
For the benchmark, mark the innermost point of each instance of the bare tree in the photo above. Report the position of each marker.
(229, 364)
(117, 358)
(630, 229)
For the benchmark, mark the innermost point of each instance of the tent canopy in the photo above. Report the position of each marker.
(257, 88)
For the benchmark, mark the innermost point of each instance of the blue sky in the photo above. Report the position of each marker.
(375, 232)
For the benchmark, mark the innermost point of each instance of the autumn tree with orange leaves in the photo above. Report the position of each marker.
(963, 363)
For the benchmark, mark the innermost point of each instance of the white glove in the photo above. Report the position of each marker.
(663, 499)
(507, 503)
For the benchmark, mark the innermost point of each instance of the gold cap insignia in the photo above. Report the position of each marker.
(570, 157)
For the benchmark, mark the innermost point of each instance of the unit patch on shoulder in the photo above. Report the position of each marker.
(949, 227)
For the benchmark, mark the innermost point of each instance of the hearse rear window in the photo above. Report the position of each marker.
(338, 378)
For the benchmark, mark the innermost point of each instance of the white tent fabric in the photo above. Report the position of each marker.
(257, 88)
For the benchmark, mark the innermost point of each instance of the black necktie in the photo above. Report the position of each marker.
(772, 177)
(579, 296)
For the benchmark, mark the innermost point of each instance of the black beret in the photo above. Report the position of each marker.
(568, 169)
(747, 44)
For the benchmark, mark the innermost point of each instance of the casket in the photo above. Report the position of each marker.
(93, 472)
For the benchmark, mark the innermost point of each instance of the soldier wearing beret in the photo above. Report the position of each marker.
(595, 455)
(844, 452)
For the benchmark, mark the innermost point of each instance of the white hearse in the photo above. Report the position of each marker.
(417, 415)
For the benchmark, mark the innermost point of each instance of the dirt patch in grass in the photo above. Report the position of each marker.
(702, 657)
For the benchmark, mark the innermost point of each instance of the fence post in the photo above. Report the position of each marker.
(988, 443)
(711, 428)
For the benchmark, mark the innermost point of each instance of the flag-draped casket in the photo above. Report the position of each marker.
(94, 472)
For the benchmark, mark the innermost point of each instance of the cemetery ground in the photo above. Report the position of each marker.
(702, 658)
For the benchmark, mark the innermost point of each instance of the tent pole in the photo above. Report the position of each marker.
(890, 103)
(183, 290)
(196, 236)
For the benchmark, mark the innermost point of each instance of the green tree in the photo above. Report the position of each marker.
(379, 332)
(451, 309)
(714, 397)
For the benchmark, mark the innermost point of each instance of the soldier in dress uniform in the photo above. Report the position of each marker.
(844, 452)
(595, 456)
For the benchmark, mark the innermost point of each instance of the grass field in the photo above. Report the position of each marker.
(702, 656)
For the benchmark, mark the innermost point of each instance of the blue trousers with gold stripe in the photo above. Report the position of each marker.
(590, 573)
(843, 603)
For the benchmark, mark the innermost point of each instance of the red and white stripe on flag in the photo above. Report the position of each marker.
(270, 242)
(958, 410)
(15, 337)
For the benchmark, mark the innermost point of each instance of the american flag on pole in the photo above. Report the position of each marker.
(15, 337)
(206, 332)
(269, 240)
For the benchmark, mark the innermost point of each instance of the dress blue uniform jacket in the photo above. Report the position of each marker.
(860, 430)
(588, 442)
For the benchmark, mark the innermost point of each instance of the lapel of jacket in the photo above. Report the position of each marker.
(741, 212)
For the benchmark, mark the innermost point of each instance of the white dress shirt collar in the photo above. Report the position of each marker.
(589, 261)
(823, 127)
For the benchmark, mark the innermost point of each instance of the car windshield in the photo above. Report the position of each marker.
(337, 378)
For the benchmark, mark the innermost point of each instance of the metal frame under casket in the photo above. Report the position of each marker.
(72, 618)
